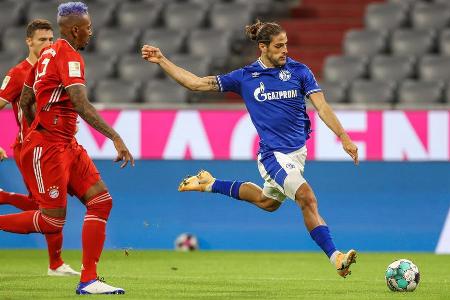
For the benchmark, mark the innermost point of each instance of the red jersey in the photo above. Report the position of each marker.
(11, 89)
(58, 67)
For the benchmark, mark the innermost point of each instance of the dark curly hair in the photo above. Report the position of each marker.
(262, 32)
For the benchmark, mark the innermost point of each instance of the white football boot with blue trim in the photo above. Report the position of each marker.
(97, 286)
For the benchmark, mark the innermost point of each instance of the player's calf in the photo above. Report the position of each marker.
(93, 233)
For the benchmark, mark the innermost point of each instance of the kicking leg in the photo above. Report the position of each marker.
(320, 232)
(246, 191)
(20, 201)
(32, 221)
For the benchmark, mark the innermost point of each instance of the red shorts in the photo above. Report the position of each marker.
(54, 168)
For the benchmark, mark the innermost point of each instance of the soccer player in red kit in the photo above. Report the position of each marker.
(53, 160)
(39, 34)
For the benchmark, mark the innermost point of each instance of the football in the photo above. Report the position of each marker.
(186, 242)
(402, 276)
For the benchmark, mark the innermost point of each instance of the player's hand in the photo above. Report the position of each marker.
(123, 154)
(2, 154)
(351, 149)
(151, 54)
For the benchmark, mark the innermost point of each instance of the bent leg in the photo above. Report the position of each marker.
(246, 191)
(253, 194)
(31, 221)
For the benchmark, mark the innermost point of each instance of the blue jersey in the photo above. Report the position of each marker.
(275, 100)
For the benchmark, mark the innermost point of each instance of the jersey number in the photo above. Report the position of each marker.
(45, 64)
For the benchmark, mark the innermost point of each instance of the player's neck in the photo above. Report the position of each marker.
(32, 59)
(70, 41)
(266, 62)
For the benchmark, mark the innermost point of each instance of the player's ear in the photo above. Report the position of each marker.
(262, 47)
(29, 41)
(75, 30)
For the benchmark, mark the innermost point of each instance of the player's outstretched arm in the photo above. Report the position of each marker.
(180, 75)
(329, 118)
(27, 100)
(2, 154)
(78, 97)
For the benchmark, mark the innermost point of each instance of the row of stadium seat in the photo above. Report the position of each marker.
(384, 92)
(144, 14)
(110, 41)
(387, 68)
(403, 41)
(420, 15)
(120, 91)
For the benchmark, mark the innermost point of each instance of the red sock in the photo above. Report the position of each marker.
(20, 201)
(54, 246)
(93, 235)
(31, 221)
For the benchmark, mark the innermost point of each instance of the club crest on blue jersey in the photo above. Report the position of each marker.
(284, 75)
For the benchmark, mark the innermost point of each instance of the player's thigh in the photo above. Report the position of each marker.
(45, 167)
(85, 181)
(282, 173)
(294, 166)
(272, 191)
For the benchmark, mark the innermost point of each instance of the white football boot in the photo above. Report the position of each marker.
(63, 270)
(97, 286)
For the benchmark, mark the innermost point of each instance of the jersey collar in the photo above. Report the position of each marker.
(261, 64)
(68, 43)
(29, 61)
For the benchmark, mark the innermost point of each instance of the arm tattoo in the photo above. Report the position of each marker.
(27, 101)
(84, 108)
(212, 83)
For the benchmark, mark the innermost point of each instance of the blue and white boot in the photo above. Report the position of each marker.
(97, 286)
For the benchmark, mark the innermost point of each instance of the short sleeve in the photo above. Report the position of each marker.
(71, 68)
(30, 77)
(11, 87)
(231, 82)
(308, 83)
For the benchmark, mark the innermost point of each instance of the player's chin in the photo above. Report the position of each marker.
(282, 61)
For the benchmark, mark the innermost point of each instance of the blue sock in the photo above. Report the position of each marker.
(321, 235)
(227, 188)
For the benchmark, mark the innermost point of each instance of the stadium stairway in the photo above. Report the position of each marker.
(316, 28)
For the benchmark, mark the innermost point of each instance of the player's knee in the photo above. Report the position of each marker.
(46, 224)
(100, 205)
(305, 197)
(272, 207)
(269, 205)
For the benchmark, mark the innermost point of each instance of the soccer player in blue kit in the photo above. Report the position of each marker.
(274, 89)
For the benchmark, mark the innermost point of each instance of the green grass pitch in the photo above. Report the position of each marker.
(222, 275)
